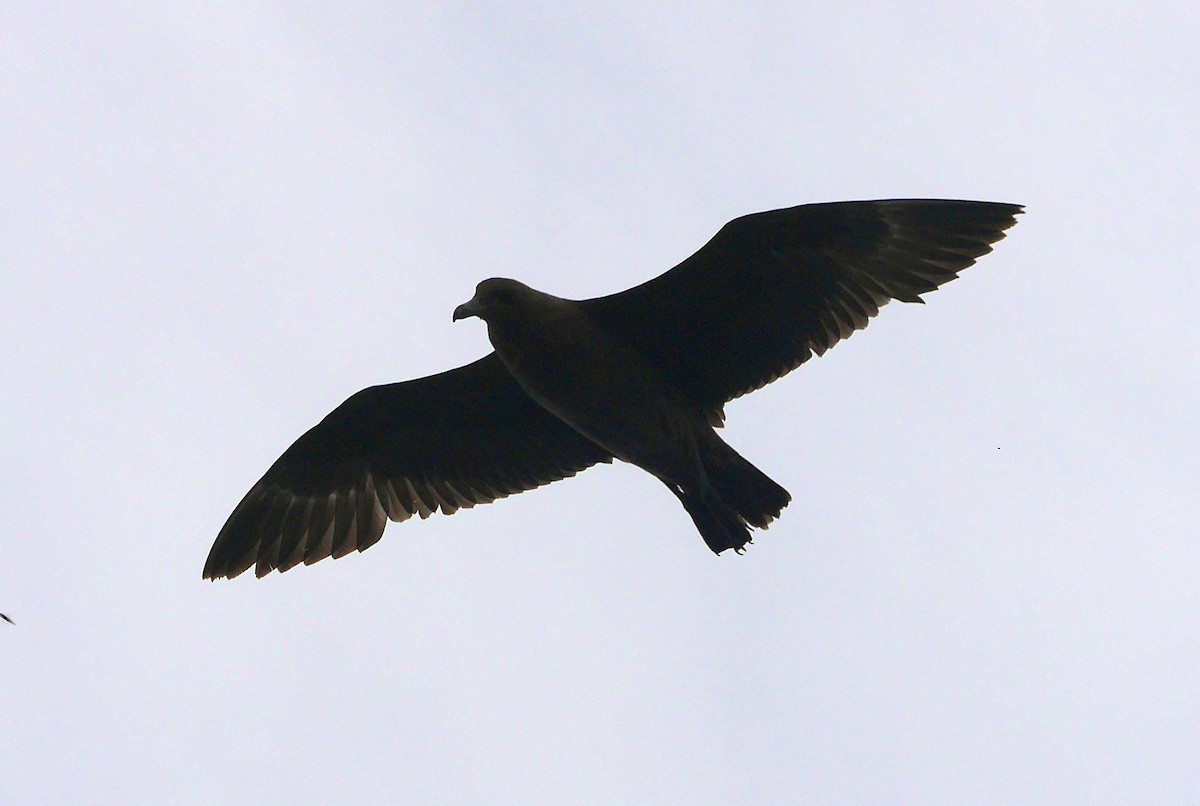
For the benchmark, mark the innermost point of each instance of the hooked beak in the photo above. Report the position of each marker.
(469, 308)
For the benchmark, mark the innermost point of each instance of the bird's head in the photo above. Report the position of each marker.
(496, 300)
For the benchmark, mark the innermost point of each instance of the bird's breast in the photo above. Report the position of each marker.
(599, 387)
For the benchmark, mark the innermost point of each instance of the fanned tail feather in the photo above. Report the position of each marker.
(733, 496)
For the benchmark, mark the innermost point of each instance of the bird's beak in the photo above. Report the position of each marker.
(470, 308)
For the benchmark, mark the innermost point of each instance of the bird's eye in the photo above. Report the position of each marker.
(504, 297)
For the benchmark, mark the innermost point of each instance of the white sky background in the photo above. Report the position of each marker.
(219, 220)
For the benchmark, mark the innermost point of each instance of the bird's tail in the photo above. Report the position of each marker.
(737, 495)
(720, 526)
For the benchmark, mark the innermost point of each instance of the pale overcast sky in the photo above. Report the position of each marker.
(218, 220)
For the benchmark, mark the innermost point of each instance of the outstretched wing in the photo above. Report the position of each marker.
(770, 289)
(452, 440)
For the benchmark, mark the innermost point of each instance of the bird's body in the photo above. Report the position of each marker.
(605, 390)
(601, 388)
(640, 376)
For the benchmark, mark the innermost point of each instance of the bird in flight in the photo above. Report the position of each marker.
(641, 375)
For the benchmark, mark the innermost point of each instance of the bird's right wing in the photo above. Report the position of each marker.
(447, 441)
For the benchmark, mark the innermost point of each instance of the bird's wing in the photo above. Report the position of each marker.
(453, 440)
(770, 289)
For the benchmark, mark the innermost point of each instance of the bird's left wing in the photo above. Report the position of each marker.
(770, 289)
(444, 442)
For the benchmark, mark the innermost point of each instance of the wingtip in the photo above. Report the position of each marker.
(212, 574)
(217, 566)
